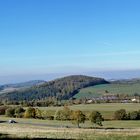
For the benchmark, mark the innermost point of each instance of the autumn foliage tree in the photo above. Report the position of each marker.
(64, 114)
(78, 117)
(30, 113)
(120, 114)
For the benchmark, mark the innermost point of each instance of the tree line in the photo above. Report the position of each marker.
(123, 115)
(65, 114)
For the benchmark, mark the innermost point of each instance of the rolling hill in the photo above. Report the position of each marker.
(12, 87)
(124, 87)
(63, 88)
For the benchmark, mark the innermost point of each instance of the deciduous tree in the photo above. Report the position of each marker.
(96, 118)
(78, 117)
(30, 113)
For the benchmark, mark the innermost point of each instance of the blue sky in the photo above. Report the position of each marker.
(65, 36)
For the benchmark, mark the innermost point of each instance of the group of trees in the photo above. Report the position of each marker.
(65, 114)
(31, 112)
(19, 112)
(14, 112)
(123, 115)
(77, 116)
(50, 101)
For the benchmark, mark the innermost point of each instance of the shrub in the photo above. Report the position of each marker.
(19, 111)
(50, 117)
(30, 113)
(96, 118)
(38, 114)
(120, 114)
(48, 114)
(63, 114)
(59, 115)
(133, 115)
(10, 112)
(3, 110)
(138, 112)
(67, 113)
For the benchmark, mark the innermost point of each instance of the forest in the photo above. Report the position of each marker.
(62, 89)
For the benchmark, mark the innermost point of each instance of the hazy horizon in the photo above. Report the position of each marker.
(108, 75)
(52, 38)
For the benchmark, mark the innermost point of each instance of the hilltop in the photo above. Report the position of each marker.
(62, 88)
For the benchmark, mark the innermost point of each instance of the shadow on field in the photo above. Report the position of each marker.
(31, 139)
(8, 137)
(3, 121)
(105, 128)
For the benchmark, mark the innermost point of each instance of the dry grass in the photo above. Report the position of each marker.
(31, 131)
(39, 129)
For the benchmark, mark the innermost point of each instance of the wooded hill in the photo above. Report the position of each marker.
(63, 88)
(22, 85)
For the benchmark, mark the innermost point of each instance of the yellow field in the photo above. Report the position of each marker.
(112, 130)
(31, 131)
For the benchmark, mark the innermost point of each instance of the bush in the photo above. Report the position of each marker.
(138, 112)
(50, 117)
(38, 114)
(133, 115)
(120, 114)
(30, 113)
(10, 112)
(64, 114)
(19, 111)
(96, 118)
(3, 110)
(59, 115)
(33, 113)
(48, 114)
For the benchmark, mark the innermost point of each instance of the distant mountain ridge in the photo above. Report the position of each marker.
(126, 81)
(62, 88)
(12, 87)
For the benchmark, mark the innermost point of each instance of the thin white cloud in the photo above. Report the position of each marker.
(117, 53)
(126, 53)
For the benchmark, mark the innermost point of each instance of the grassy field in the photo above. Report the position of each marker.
(111, 130)
(130, 131)
(87, 124)
(35, 131)
(98, 90)
(106, 109)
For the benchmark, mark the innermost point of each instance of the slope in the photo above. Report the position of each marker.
(63, 88)
(12, 87)
(118, 87)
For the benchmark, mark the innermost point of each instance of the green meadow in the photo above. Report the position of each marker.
(98, 90)
(111, 130)
(34, 128)
(106, 109)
